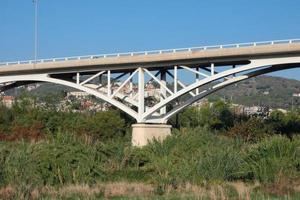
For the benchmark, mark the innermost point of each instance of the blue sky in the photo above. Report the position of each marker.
(82, 27)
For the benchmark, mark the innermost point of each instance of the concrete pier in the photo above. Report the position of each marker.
(143, 133)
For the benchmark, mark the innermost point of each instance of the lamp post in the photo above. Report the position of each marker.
(35, 30)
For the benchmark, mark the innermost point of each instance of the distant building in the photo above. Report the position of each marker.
(266, 92)
(259, 111)
(86, 104)
(296, 95)
(201, 103)
(32, 87)
(150, 90)
(77, 94)
(7, 101)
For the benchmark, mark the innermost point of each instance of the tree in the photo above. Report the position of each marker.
(287, 124)
(216, 116)
(105, 125)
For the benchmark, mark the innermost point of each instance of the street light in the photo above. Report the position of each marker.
(35, 30)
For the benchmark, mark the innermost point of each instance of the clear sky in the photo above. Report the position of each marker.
(82, 27)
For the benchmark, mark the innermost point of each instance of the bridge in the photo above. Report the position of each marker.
(209, 69)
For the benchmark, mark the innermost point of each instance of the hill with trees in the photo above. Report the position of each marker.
(274, 92)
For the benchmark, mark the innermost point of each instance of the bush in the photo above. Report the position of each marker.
(188, 118)
(216, 116)
(6, 118)
(20, 120)
(287, 124)
(272, 159)
(220, 164)
(252, 130)
(106, 125)
(63, 160)
(17, 168)
(195, 157)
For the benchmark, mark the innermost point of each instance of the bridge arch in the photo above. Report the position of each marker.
(256, 67)
(24, 79)
(221, 86)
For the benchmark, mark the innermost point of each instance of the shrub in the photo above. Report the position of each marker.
(222, 163)
(6, 118)
(188, 118)
(66, 160)
(196, 156)
(105, 125)
(216, 116)
(252, 130)
(17, 168)
(287, 124)
(63, 160)
(271, 159)
(32, 133)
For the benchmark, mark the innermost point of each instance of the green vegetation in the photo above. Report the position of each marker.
(213, 155)
(214, 116)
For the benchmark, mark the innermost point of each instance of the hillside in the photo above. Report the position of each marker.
(270, 91)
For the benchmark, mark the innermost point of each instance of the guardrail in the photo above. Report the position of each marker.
(153, 52)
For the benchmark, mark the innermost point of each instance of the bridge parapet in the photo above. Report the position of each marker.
(156, 52)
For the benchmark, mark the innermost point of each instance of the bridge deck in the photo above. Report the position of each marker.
(219, 55)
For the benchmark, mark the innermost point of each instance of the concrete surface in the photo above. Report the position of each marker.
(143, 133)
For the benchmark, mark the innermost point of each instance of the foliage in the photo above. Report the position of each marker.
(105, 124)
(6, 117)
(62, 160)
(188, 118)
(52, 148)
(252, 130)
(287, 124)
(214, 116)
(23, 117)
(272, 159)
(195, 156)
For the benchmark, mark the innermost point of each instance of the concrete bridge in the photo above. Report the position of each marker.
(214, 66)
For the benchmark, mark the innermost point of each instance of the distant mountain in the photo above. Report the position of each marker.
(45, 88)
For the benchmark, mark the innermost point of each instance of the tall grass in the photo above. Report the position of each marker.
(272, 159)
(191, 156)
(64, 159)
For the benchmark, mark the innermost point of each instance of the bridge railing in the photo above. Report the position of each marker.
(154, 52)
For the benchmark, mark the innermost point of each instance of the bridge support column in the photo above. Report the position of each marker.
(142, 134)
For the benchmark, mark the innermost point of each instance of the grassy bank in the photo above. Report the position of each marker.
(192, 159)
